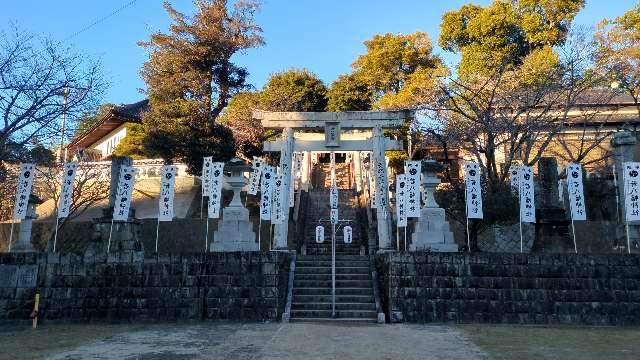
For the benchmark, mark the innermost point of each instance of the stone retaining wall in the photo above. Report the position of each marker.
(511, 288)
(243, 286)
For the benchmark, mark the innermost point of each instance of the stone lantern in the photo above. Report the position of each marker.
(235, 231)
(432, 231)
(24, 238)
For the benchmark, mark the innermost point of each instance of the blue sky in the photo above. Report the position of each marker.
(324, 36)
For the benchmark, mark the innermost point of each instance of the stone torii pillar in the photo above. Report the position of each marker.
(281, 231)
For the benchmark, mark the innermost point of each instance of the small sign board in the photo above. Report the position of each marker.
(319, 234)
(332, 134)
(348, 234)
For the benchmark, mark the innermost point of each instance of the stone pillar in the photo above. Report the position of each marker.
(432, 231)
(306, 170)
(357, 170)
(379, 170)
(624, 150)
(552, 225)
(24, 236)
(281, 231)
(235, 230)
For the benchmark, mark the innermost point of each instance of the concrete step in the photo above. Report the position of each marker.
(339, 298)
(340, 306)
(327, 283)
(327, 263)
(363, 321)
(327, 270)
(367, 314)
(326, 290)
(339, 257)
(339, 277)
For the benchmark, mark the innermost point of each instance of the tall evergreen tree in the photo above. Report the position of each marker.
(191, 77)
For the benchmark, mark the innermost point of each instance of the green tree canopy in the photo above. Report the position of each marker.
(190, 79)
(349, 93)
(294, 90)
(290, 90)
(505, 32)
(618, 54)
(395, 62)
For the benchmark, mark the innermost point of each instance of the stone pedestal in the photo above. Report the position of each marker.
(24, 236)
(235, 231)
(432, 231)
(125, 235)
(625, 149)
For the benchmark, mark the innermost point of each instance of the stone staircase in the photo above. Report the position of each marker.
(312, 290)
(355, 300)
(318, 209)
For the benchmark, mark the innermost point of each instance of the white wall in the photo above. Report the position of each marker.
(109, 142)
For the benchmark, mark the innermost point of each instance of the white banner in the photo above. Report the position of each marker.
(513, 177)
(473, 190)
(332, 158)
(372, 187)
(215, 190)
(333, 197)
(401, 200)
(576, 192)
(25, 183)
(527, 195)
(256, 172)
(292, 193)
(123, 193)
(167, 189)
(347, 234)
(319, 234)
(297, 164)
(277, 210)
(334, 216)
(632, 191)
(412, 170)
(206, 175)
(66, 190)
(266, 190)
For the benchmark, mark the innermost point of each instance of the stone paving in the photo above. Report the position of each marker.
(281, 341)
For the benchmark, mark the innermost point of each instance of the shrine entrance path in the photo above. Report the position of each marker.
(308, 341)
(227, 340)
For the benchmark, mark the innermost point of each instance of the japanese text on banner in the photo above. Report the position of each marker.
(527, 195)
(66, 192)
(123, 194)
(576, 192)
(473, 190)
(23, 191)
(256, 172)
(215, 190)
(412, 170)
(401, 200)
(266, 190)
(632, 191)
(167, 187)
(206, 175)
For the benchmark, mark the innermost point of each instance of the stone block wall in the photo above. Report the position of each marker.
(511, 288)
(244, 286)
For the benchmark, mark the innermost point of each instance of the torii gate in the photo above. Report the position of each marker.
(333, 123)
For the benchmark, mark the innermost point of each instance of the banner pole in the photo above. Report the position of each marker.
(110, 232)
(55, 235)
(157, 233)
(573, 229)
(201, 206)
(206, 236)
(259, 233)
(398, 238)
(11, 234)
(466, 213)
(628, 240)
(405, 238)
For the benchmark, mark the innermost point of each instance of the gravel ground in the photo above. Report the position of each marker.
(271, 341)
